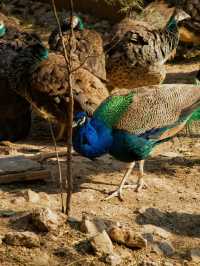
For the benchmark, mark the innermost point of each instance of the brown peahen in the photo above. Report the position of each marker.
(129, 124)
(136, 51)
(89, 87)
(15, 118)
(44, 83)
(88, 46)
(189, 29)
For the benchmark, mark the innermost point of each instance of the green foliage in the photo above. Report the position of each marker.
(126, 5)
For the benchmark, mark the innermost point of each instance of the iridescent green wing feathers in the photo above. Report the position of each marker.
(112, 109)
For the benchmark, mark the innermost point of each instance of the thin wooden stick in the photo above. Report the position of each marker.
(71, 112)
(59, 167)
(68, 60)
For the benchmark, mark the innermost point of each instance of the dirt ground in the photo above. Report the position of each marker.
(171, 201)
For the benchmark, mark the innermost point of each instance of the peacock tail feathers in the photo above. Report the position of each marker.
(112, 109)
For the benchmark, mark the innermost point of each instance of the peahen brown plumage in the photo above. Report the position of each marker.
(89, 79)
(88, 46)
(189, 29)
(136, 51)
(129, 124)
(44, 83)
(15, 118)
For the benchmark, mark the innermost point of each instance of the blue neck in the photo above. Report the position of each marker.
(93, 139)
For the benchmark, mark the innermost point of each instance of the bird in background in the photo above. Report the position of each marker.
(130, 123)
(2, 29)
(15, 117)
(88, 59)
(87, 46)
(136, 51)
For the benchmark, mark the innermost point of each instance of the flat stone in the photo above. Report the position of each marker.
(26, 238)
(41, 258)
(45, 220)
(31, 196)
(15, 164)
(195, 255)
(155, 230)
(127, 237)
(18, 200)
(113, 259)
(164, 247)
(100, 241)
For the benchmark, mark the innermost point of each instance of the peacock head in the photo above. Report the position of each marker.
(77, 23)
(2, 29)
(80, 119)
(40, 51)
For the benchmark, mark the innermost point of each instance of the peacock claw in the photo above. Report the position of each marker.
(141, 184)
(116, 193)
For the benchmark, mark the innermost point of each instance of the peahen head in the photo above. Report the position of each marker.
(77, 23)
(2, 29)
(177, 16)
(80, 119)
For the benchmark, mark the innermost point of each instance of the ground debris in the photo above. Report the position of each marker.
(31, 196)
(26, 238)
(99, 239)
(127, 237)
(194, 255)
(45, 220)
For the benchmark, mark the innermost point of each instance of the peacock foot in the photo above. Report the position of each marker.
(140, 185)
(118, 192)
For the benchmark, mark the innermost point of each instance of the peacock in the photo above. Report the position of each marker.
(130, 123)
(88, 46)
(137, 51)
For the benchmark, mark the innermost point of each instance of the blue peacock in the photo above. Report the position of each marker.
(129, 124)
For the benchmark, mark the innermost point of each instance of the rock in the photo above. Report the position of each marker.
(45, 220)
(164, 247)
(100, 241)
(167, 248)
(127, 237)
(18, 200)
(41, 258)
(31, 196)
(27, 239)
(148, 263)
(167, 263)
(113, 259)
(195, 255)
(45, 197)
(171, 154)
(155, 230)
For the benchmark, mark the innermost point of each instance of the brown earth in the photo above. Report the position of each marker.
(171, 201)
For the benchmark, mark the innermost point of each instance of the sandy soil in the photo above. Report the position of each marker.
(171, 201)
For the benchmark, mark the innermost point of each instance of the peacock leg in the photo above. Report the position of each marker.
(140, 182)
(118, 192)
